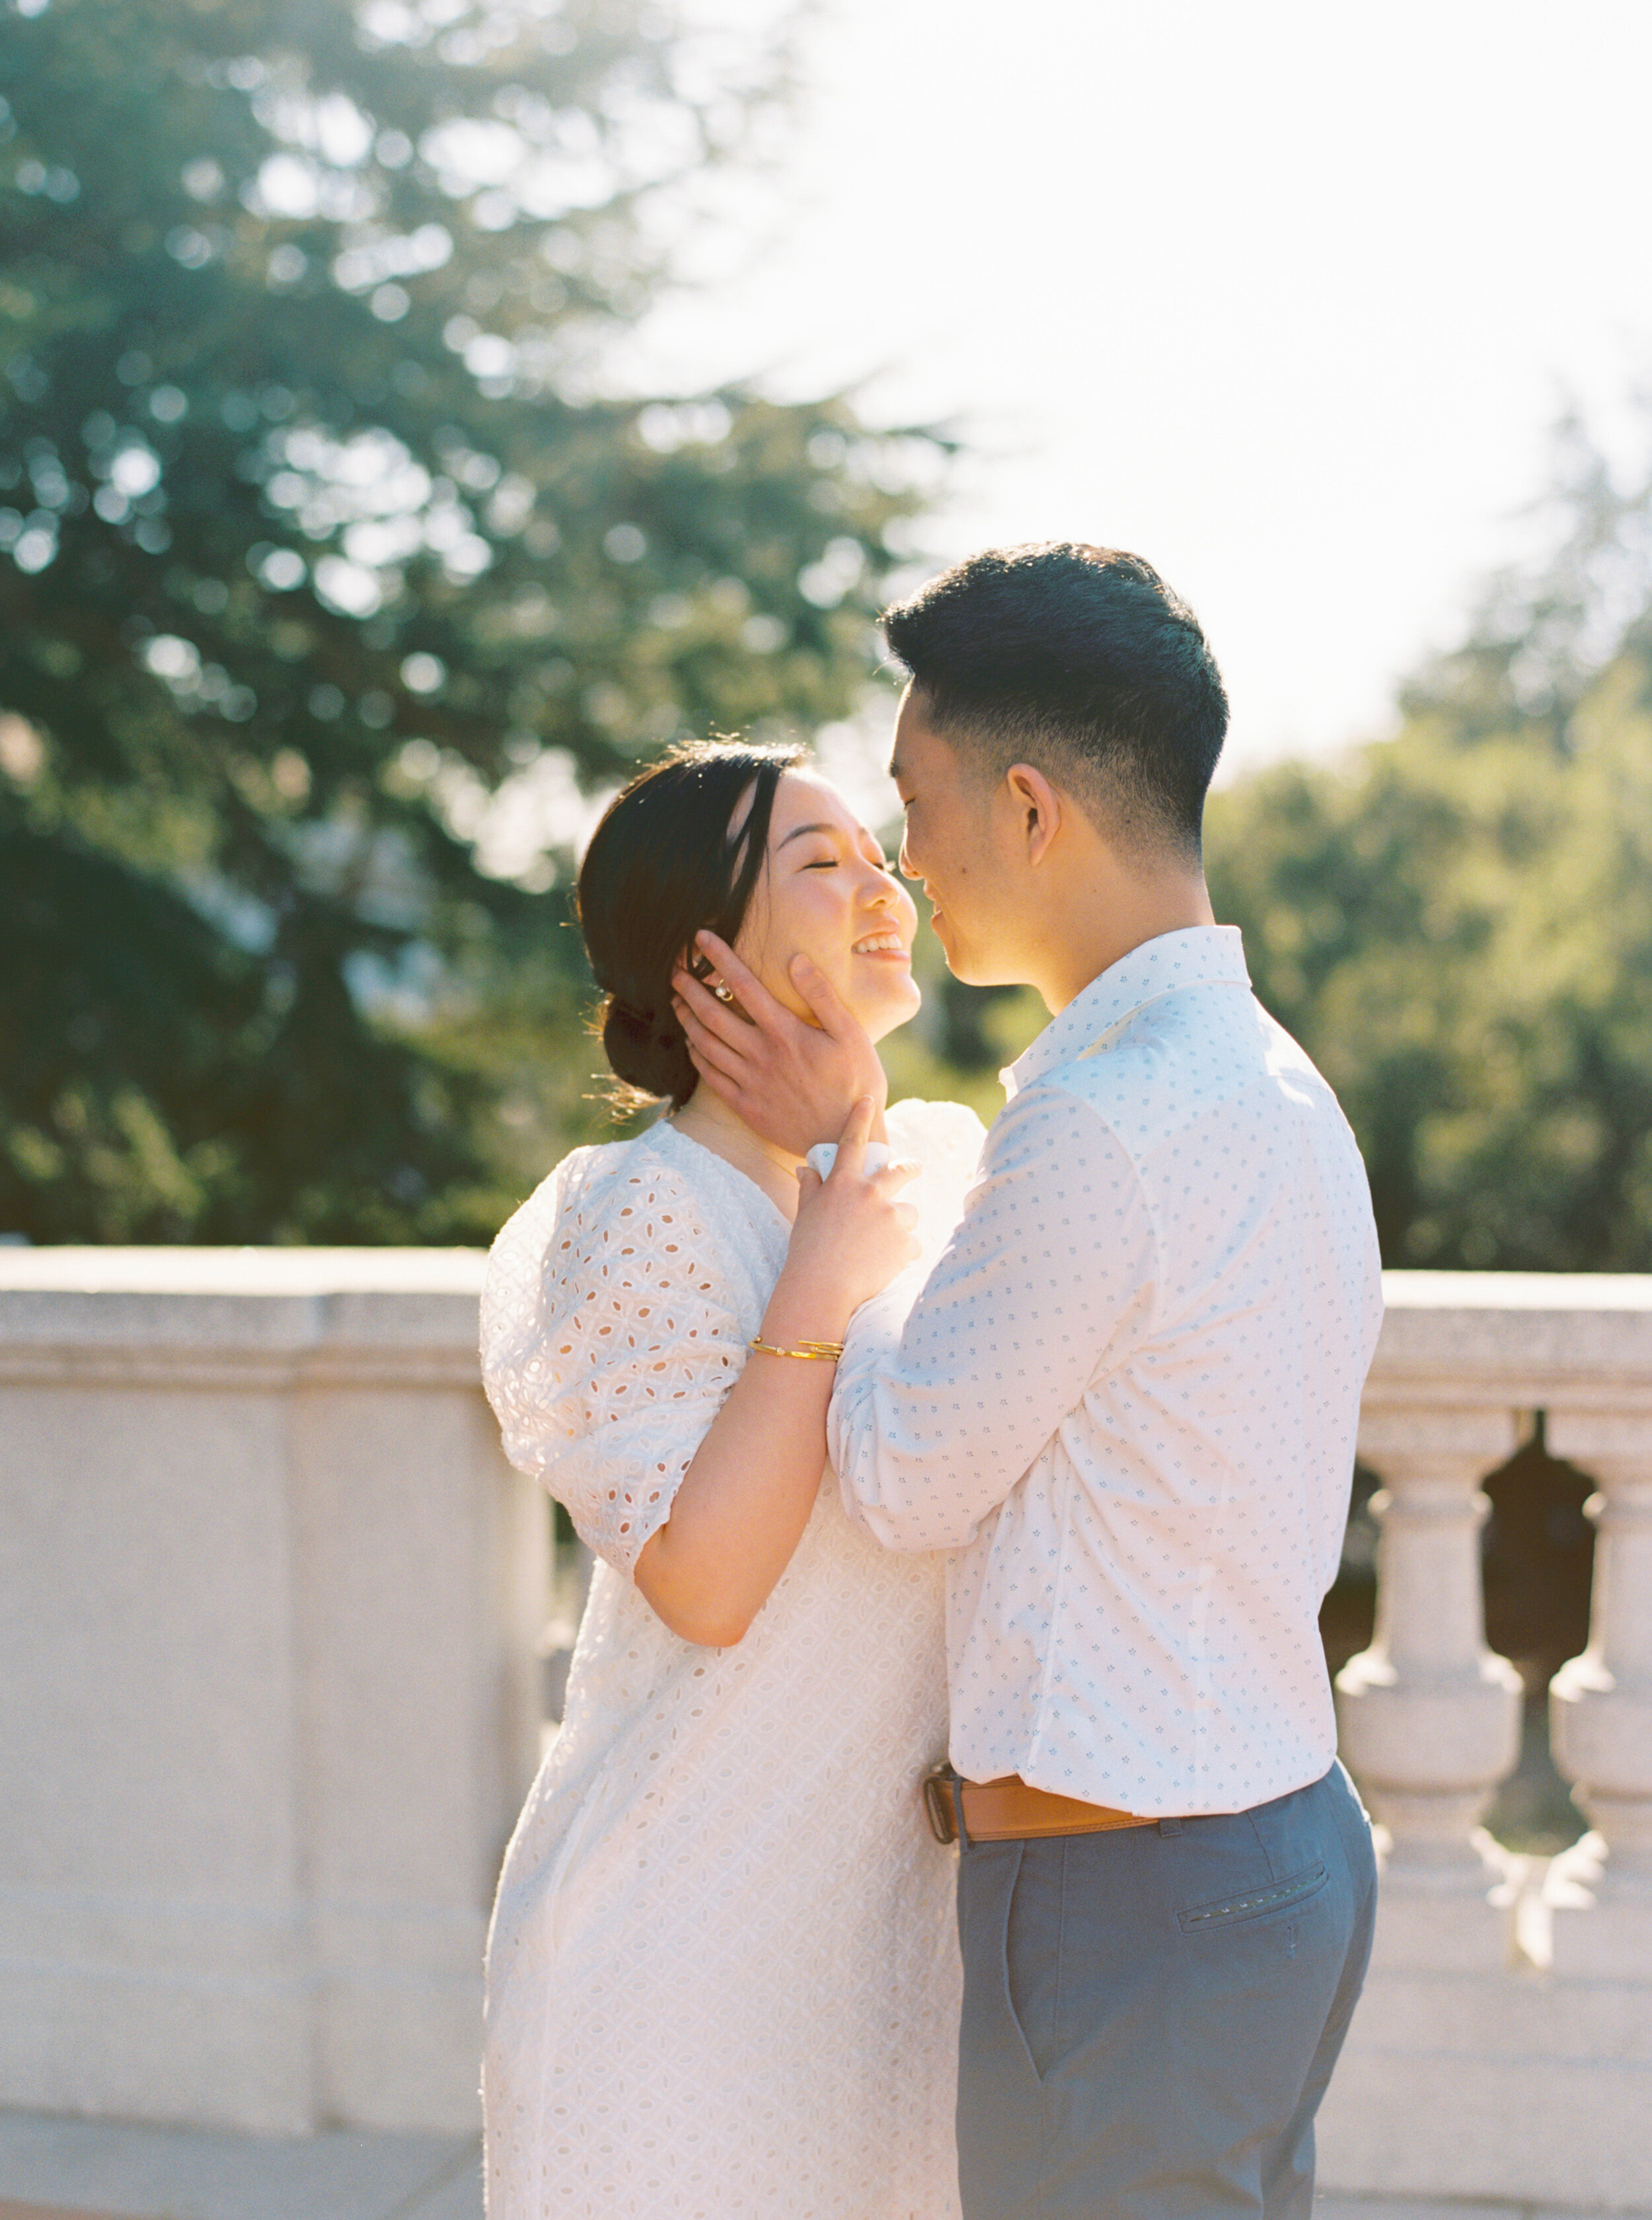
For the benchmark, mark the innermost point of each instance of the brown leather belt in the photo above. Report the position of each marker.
(1009, 1811)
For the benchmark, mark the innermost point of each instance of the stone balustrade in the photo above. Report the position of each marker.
(272, 1611)
(1504, 2045)
(269, 1693)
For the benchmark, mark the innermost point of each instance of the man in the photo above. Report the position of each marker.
(1126, 1399)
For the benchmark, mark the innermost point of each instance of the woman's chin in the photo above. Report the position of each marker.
(891, 1008)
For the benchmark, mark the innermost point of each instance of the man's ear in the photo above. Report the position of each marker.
(1038, 808)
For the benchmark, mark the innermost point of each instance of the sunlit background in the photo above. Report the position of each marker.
(414, 416)
(1285, 297)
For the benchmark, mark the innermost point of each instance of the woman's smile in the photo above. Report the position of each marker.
(884, 946)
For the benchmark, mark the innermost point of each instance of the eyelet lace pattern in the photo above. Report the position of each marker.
(722, 1980)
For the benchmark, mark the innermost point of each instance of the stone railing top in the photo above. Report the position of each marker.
(230, 1316)
(1524, 1340)
(1517, 1291)
(180, 1271)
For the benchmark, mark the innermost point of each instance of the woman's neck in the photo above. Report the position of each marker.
(716, 1127)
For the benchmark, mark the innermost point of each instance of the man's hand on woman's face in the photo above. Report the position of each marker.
(794, 1082)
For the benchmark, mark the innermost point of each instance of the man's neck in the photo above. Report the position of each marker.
(1108, 927)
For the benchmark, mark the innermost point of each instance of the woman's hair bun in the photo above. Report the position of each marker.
(647, 1052)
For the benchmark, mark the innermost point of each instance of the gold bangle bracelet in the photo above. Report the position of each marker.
(821, 1352)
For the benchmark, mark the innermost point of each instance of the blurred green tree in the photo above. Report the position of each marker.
(336, 567)
(1457, 923)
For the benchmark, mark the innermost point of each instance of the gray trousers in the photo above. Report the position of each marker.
(1151, 2016)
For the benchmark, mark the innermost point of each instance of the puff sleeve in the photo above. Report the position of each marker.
(609, 1338)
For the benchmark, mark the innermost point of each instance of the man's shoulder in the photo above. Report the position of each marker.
(1210, 1058)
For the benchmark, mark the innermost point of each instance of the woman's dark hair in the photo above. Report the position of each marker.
(661, 867)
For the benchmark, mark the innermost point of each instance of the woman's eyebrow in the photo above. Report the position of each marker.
(798, 831)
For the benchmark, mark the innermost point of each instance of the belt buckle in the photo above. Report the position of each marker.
(941, 1804)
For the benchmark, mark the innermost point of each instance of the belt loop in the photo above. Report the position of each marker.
(954, 1781)
(1169, 1826)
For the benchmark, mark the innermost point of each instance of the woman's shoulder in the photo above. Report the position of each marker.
(936, 1134)
(943, 1140)
(591, 1193)
(583, 1176)
(627, 1213)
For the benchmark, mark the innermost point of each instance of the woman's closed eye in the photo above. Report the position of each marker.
(871, 853)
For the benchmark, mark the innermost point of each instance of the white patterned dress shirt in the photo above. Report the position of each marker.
(1126, 1398)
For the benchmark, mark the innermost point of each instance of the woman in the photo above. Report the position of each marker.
(722, 1976)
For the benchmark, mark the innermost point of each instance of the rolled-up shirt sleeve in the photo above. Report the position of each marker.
(943, 1403)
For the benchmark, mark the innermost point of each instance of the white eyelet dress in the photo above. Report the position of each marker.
(722, 1975)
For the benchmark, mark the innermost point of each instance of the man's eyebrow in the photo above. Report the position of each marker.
(798, 831)
(897, 769)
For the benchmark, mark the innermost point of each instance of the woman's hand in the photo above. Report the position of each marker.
(852, 1234)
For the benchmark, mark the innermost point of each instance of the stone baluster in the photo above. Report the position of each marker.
(1598, 1894)
(1429, 1718)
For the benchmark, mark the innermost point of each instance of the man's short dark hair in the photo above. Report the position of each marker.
(1083, 662)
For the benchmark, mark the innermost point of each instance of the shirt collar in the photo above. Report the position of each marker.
(1197, 956)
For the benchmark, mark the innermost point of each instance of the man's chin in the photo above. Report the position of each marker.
(957, 958)
(963, 969)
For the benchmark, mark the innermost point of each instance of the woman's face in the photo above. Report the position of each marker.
(826, 893)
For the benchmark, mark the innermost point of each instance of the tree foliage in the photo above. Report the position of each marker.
(1457, 923)
(339, 569)
(335, 566)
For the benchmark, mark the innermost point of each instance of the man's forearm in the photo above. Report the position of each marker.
(936, 1418)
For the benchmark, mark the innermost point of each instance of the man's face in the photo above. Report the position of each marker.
(948, 843)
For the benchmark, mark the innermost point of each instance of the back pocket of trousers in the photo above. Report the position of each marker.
(1253, 1903)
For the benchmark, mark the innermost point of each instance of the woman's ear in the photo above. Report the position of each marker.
(695, 961)
(1038, 810)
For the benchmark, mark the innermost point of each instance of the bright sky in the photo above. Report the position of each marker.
(1283, 295)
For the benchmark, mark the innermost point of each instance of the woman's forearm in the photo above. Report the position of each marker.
(745, 1501)
(747, 1498)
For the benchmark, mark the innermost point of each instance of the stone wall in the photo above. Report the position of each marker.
(270, 1599)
